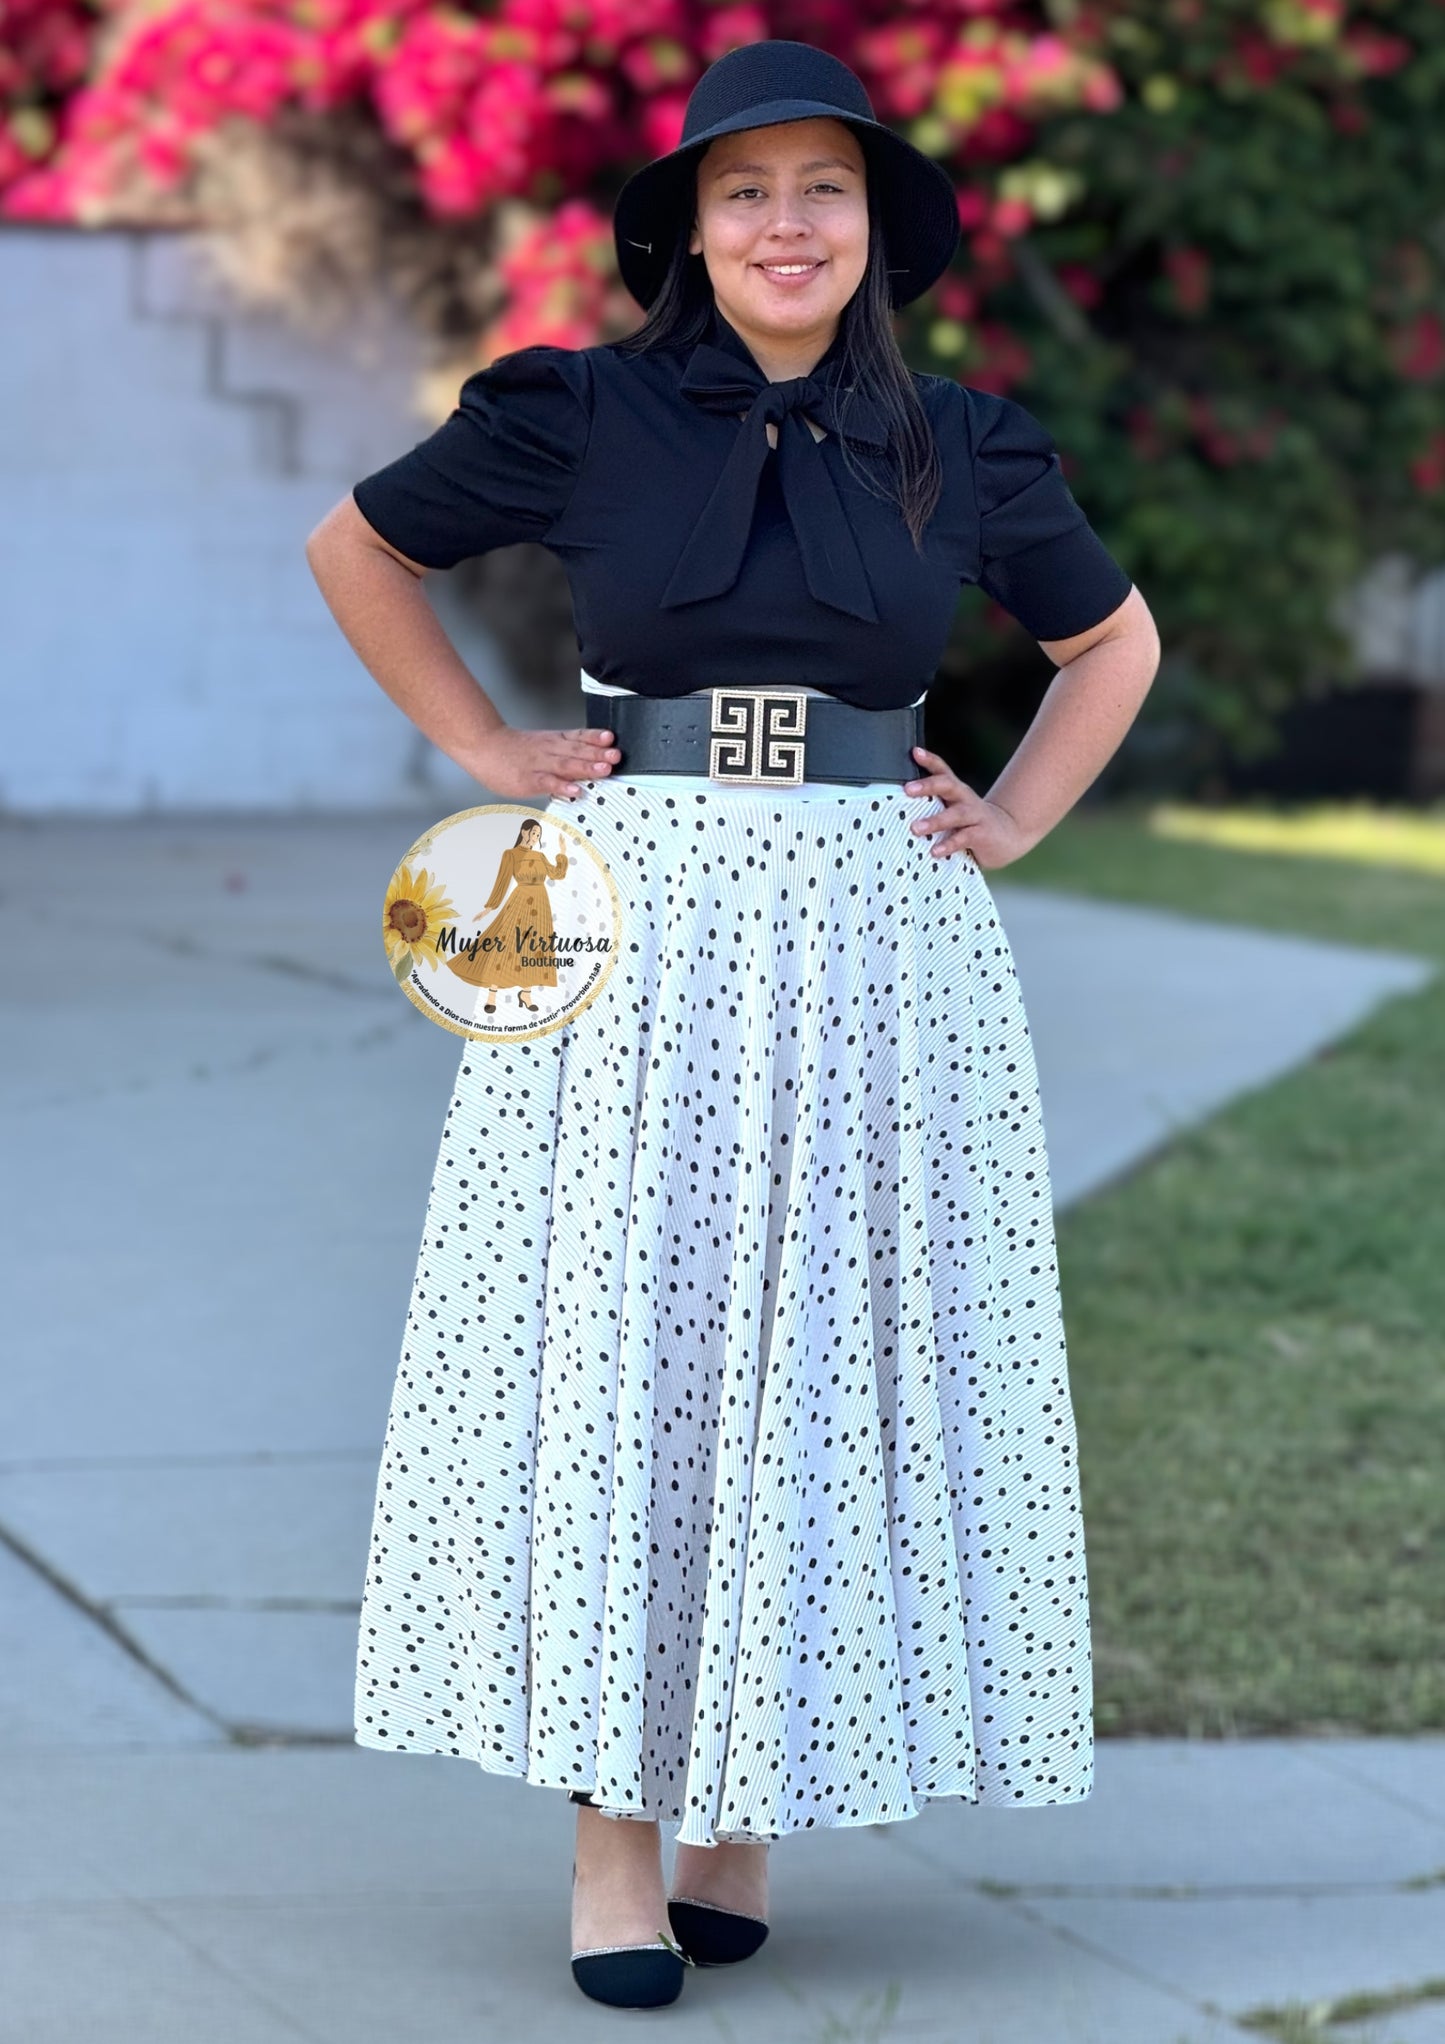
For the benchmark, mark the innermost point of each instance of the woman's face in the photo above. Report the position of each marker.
(795, 193)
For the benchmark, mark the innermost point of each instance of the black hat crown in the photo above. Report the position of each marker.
(751, 77)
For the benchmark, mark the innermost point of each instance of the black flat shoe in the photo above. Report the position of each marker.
(713, 1936)
(630, 1976)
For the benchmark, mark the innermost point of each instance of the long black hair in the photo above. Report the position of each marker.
(869, 359)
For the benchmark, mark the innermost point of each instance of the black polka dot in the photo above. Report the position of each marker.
(730, 1472)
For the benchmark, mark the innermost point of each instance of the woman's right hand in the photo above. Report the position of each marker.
(521, 763)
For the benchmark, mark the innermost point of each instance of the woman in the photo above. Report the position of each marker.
(729, 1478)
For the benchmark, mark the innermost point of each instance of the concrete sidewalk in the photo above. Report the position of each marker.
(225, 1117)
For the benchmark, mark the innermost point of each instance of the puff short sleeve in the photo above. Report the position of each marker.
(500, 470)
(1038, 554)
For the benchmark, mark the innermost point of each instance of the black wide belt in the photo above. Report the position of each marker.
(759, 736)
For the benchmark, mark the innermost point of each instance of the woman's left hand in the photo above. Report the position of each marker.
(968, 822)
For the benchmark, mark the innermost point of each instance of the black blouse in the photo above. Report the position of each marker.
(698, 555)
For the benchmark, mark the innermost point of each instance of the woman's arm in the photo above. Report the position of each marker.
(1104, 675)
(376, 596)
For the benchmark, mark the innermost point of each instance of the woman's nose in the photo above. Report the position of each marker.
(787, 214)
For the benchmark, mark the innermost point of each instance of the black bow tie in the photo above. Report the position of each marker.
(832, 565)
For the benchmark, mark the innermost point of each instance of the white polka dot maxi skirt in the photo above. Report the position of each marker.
(730, 1473)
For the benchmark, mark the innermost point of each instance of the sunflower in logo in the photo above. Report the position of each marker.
(415, 913)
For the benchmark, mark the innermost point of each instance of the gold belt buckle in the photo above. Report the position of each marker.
(757, 736)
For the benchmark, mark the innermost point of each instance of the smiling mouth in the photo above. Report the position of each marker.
(793, 269)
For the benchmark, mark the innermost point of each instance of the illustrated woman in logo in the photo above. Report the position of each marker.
(515, 949)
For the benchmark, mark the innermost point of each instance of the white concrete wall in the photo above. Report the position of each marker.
(1398, 618)
(163, 645)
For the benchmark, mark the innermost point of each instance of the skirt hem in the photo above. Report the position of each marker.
(701, 1834)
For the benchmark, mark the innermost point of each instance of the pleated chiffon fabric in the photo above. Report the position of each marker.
(730, 1472)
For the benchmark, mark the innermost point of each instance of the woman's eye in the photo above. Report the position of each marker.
(824, 187)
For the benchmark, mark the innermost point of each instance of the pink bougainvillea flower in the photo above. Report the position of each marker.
(1011, 217)
(1081, 284)
(1188, 272)
(1427, 470)
(900, 63)
(1418, 348)
(1371, 53)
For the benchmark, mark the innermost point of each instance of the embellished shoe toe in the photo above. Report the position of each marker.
(713, 1936)
(631, 1976)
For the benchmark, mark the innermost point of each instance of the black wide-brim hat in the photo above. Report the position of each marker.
(760, 85)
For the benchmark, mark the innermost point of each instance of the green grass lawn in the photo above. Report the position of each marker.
(1256, 1316)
